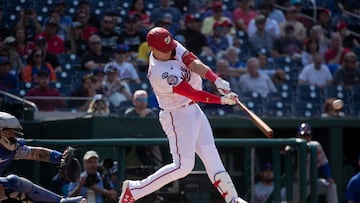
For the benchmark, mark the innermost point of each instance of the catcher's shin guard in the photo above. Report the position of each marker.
(225, 186)
(33, 192)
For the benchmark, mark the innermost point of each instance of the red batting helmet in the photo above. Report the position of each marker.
(161, 39)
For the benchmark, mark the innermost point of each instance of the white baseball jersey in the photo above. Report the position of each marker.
(163, 75)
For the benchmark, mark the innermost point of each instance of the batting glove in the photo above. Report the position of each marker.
(222, 86)
(229, 99)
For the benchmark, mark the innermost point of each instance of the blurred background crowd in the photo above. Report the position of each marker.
(285, 58)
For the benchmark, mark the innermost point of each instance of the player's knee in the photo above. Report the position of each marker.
(185, 169)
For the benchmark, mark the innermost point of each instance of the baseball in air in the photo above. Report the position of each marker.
(337, 104)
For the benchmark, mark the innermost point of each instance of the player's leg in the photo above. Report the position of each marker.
(179, 128)
(324, 188)
(14, 183)
(209, 155)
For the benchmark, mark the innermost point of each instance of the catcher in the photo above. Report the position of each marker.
(18, 189)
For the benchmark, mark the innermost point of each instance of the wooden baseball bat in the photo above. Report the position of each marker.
(268, 132)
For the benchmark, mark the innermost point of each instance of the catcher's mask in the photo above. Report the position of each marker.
(9, 131)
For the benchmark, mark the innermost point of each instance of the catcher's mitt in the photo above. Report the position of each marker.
(69, 167)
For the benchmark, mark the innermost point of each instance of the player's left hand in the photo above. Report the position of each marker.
(229, 99)
(222, 86)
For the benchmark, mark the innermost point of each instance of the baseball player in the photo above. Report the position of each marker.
(175, 75)
(326, 186)
(13, 148)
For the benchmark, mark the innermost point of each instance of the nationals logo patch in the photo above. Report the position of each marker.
(164, 75)
(172, 80)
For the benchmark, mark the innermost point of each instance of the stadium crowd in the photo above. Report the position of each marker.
(280, 58)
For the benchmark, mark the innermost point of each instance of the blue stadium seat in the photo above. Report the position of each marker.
(309, 93)
(306, 109)
(355, 93)
(277, 109)
(337, 92)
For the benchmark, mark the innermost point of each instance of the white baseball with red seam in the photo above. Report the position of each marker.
(337, 104)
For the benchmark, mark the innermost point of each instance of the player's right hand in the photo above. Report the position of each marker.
(222, 86)
(229, 99)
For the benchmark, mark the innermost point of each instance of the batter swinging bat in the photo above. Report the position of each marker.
(268, 132)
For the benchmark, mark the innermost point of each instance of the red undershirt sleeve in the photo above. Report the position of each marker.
(185, 89)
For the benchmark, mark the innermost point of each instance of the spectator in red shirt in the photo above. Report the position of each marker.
(87, 29)
(55, 43)
(44, 90)
(334, 55)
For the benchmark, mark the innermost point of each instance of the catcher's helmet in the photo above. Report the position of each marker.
(304, 129)
(9, 121)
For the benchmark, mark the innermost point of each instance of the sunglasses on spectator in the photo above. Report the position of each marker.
(350, 61)
(107, 22)
(95, 42)
(38, 55)
(141, 99)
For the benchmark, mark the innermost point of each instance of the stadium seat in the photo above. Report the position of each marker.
(337, 92)
(355, 93)
(310, 93)
(277, 109)
(306, 109)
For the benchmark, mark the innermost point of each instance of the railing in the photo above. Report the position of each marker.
(22, 100)
(248, 144)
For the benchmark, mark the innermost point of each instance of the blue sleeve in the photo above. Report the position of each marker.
(325, 169)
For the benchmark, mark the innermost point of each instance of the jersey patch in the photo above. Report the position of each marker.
(164, 75)
(185, 74)
(172, 80)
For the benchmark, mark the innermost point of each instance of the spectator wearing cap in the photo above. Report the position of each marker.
(287, 45)
(29, 22)
(55, 44)
(87, 90)
(127, 71)
(348, 39)
(107, 34)
(216, 17)
(94, 57)
(271, 25)
(131, 35)
(166, 7)
(265, 185)
(87, 29)
(195, 41)
(324, 20)
(138, 8)
(291, 18)
(49, 57)
(23, 46)
(35, 63)
(116, 90)
(65, 20)
(261, 39)
(76, 43)
(16, 62)
(243, 14)
(217, 41)
(63, 29)
(91, 179)
(8, 81)
(43, 89)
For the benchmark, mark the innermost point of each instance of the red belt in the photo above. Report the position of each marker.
(190, 103)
